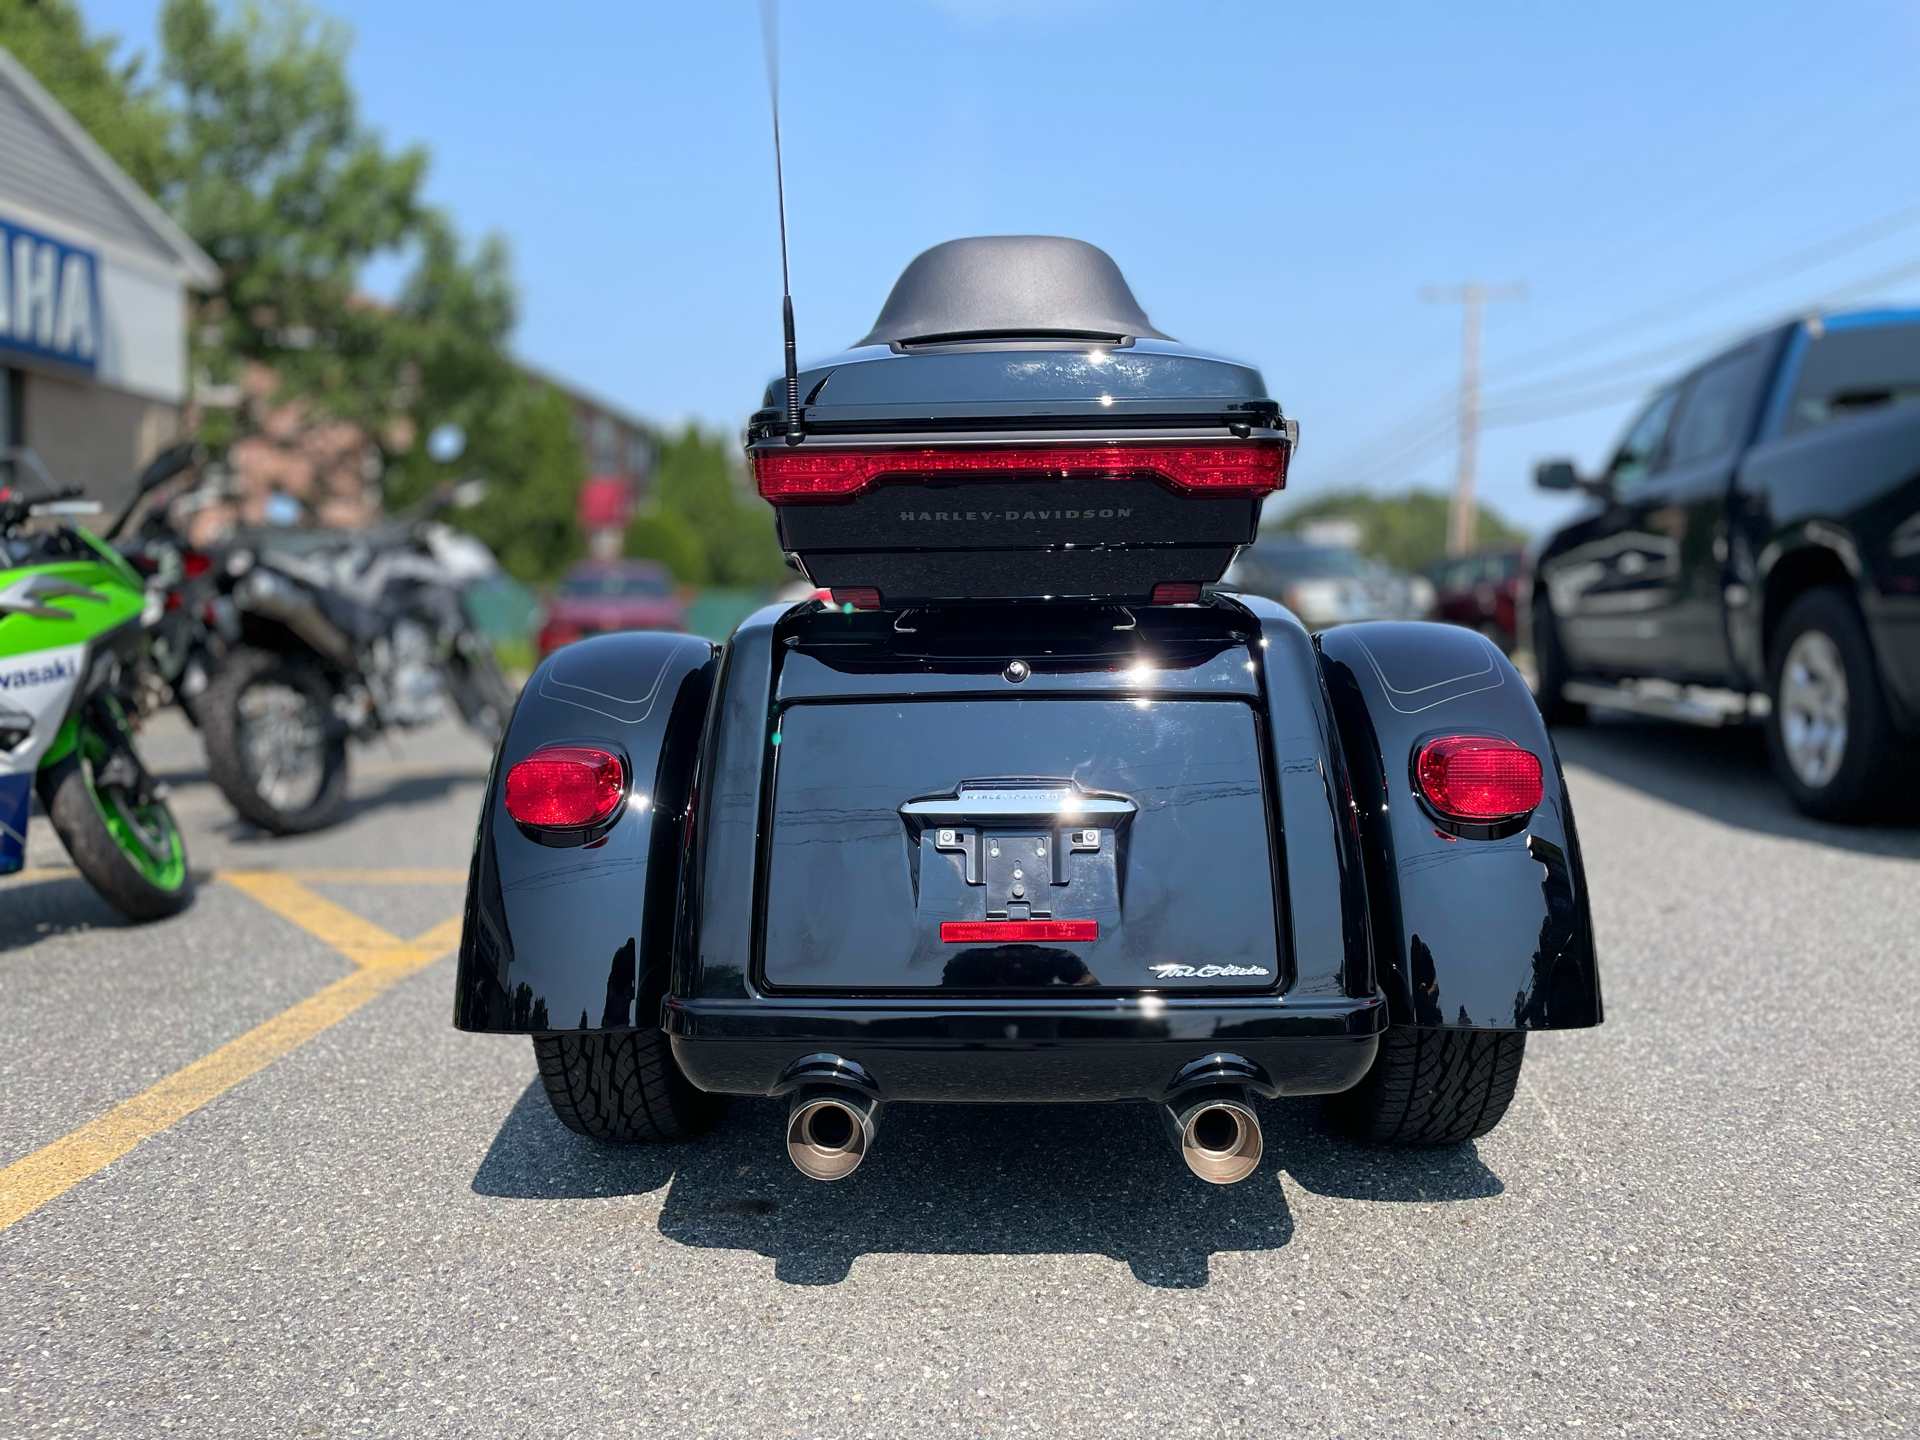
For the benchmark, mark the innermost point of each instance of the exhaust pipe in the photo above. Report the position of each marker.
(1216, 1131)
(829, 1130)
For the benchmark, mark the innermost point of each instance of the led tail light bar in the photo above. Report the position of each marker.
(1009, 932)
(795, 474)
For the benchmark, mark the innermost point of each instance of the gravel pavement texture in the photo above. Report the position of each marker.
(1698, 1220)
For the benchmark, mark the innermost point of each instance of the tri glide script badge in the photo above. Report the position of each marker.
(1205, 972)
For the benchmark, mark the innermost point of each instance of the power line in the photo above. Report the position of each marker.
(1759, 181)
(1520, 410)
(1503, 413)
(1807, 258)
(1416, 431)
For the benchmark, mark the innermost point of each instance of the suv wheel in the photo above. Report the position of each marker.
(1833, 744)
(1551, 670)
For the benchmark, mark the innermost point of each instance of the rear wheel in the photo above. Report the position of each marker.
(129, 849)
(1432, 1086)
(621, 1085)
(1551, 670)
(274, 745)
(1833, 743)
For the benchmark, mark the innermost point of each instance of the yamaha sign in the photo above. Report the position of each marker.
(49, 298)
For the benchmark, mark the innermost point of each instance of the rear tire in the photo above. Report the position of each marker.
(1551, 670)
(234, 754)
(622, 1086)
(145, 889)
(1432, 1087)
(1833, 743)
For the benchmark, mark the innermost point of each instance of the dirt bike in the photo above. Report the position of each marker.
(338, 635)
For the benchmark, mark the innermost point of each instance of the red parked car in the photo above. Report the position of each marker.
(1479, 591)
(599, 596)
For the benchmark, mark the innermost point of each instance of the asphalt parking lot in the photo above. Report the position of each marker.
(256, 1185)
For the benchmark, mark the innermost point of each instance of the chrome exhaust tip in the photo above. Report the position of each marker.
(829, 1131)
(1216, 1132)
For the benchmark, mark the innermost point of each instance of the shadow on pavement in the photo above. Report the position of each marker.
(62, 905)
(1723, 774)
(407, 790)
(1329, 1164)
(967, 1180)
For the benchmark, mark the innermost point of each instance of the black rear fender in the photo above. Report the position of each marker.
(580, 936)
(1483, 934)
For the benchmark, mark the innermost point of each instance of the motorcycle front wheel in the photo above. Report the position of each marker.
(480, 689)
(274, 745)
(131, 852)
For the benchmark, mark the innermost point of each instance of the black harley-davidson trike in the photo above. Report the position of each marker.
(1028, 811)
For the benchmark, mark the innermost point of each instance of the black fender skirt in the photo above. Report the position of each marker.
(580, 936)
(1483, 934)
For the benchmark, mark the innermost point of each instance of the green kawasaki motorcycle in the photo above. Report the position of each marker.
(71, 644)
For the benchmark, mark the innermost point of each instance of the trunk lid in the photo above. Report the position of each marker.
(1020, 845)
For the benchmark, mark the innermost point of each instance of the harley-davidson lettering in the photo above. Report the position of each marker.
(1205, 972)
(941, 517)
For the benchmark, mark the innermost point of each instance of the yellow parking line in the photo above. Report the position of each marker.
(383, 960)
(421, 875)
(42, 872)
(361, 941)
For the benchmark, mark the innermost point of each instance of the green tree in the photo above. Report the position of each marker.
(695, 479)
(252, 140)
(534, 470)
(124, 114)
(291, 195)
(666, 536)
(447, 335)
(1408, 531)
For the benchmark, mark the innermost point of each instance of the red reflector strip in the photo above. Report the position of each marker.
(860, 597)
(1003, 932)
(796, 473)
(565, 787)
(1176, 592)
(1478, 777)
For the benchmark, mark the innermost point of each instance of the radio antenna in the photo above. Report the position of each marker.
(770, 39)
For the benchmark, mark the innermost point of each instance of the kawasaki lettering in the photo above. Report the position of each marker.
(38, 675)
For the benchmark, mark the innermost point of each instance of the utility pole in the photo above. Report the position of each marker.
(1463, 516)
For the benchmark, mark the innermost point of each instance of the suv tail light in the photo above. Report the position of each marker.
(565, 787)
(787, 474)
(1478, 778)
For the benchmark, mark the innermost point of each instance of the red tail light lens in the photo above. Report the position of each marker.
(1008, 932)
(786, 474)
(1478, 777)
(860, 597)
(1176, 592)
(565, 787)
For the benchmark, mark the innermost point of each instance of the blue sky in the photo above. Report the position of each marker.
(1278, 182)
